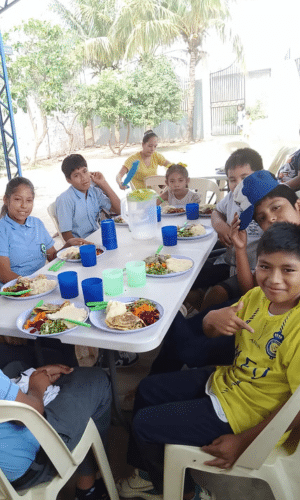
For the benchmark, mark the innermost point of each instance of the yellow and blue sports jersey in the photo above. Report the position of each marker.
(265, 371)
(24, 244)
(143, 170)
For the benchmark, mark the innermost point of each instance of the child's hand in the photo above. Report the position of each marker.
(97, 178)
(75, 242)
(238, 238)
(224, 235)
(226, 449)
(225, 321)
(55, 371)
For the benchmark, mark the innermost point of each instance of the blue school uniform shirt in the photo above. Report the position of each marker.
(79, 213)
(24, 244)
(18, 447)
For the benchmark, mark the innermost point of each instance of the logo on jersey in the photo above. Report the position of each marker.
(273, 344)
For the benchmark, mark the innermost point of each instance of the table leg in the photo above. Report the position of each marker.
(114, 387)
(38, 352)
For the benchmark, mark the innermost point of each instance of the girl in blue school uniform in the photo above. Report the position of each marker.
(25, 244)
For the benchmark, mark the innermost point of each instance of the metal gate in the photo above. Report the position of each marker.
(227, 92)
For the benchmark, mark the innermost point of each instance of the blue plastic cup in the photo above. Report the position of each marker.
(169, 235)
(109, 236)
(88, 255)
(68, 284)
(158, 212)
(192, 211)
(92, 289)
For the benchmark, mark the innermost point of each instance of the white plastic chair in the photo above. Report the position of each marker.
(234, 145)
(206, 189)
(52, 212)
(156, 182)
(64, 461)
(261, 460)
(280, 158)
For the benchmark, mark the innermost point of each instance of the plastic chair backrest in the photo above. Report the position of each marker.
(280, 158)
(64, 461)
(205, 188)
(52, 212)
(156, 182)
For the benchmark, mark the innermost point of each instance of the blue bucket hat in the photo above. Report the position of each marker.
(251, 190)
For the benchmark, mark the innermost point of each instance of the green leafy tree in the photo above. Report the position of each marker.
(145, 97)
(155, 93)
(40, 70)
(108, 99)
(152, 23)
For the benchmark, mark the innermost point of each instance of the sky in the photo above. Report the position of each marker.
(267, 30)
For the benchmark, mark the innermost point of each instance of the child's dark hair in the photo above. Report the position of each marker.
(148, 135)
(244, 156)
(280, 237)
(280, 191)
(176, 168)
(12, 187)
(71, 163)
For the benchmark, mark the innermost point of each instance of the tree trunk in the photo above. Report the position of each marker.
(117, 136)
(109, 142)
(126, 140)
(38, 139)
(191, 95)
(68, 131)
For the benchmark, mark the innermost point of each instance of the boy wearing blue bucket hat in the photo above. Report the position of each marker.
(261, 198)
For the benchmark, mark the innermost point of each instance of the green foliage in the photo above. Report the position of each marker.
(149, 95)
(41, 65)
(155, 92)
(257, 111)
(230, 115)
(108, 99)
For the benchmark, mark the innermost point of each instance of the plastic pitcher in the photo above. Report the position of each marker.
(139, 211)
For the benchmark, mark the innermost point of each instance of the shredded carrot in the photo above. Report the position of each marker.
(39, 316)
(144, 307)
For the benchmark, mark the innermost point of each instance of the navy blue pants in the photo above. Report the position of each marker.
(172, 408)
(185, 343)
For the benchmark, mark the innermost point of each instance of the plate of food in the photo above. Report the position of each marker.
(206, 210)
(49, 318)
(167, 266)
(127, 314)
(193, 232)
(40, 284)
(72, 254)
(119, 221)
(169, 210)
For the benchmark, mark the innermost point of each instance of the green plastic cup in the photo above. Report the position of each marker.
(113, 281)
(136, 273)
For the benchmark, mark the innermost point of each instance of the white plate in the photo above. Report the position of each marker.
(172, 215)
(97, 318)
(23, 317)
(208, 230)
(125, 224)
(170, 275)
(59, 254)
(18, 297)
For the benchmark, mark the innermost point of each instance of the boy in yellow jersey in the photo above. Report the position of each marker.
(217, 408)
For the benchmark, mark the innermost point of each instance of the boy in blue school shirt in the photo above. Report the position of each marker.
(79, 207)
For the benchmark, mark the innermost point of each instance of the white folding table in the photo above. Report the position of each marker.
(168, 292)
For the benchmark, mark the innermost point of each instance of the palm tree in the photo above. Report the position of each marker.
(152, 23)
(91, 21)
